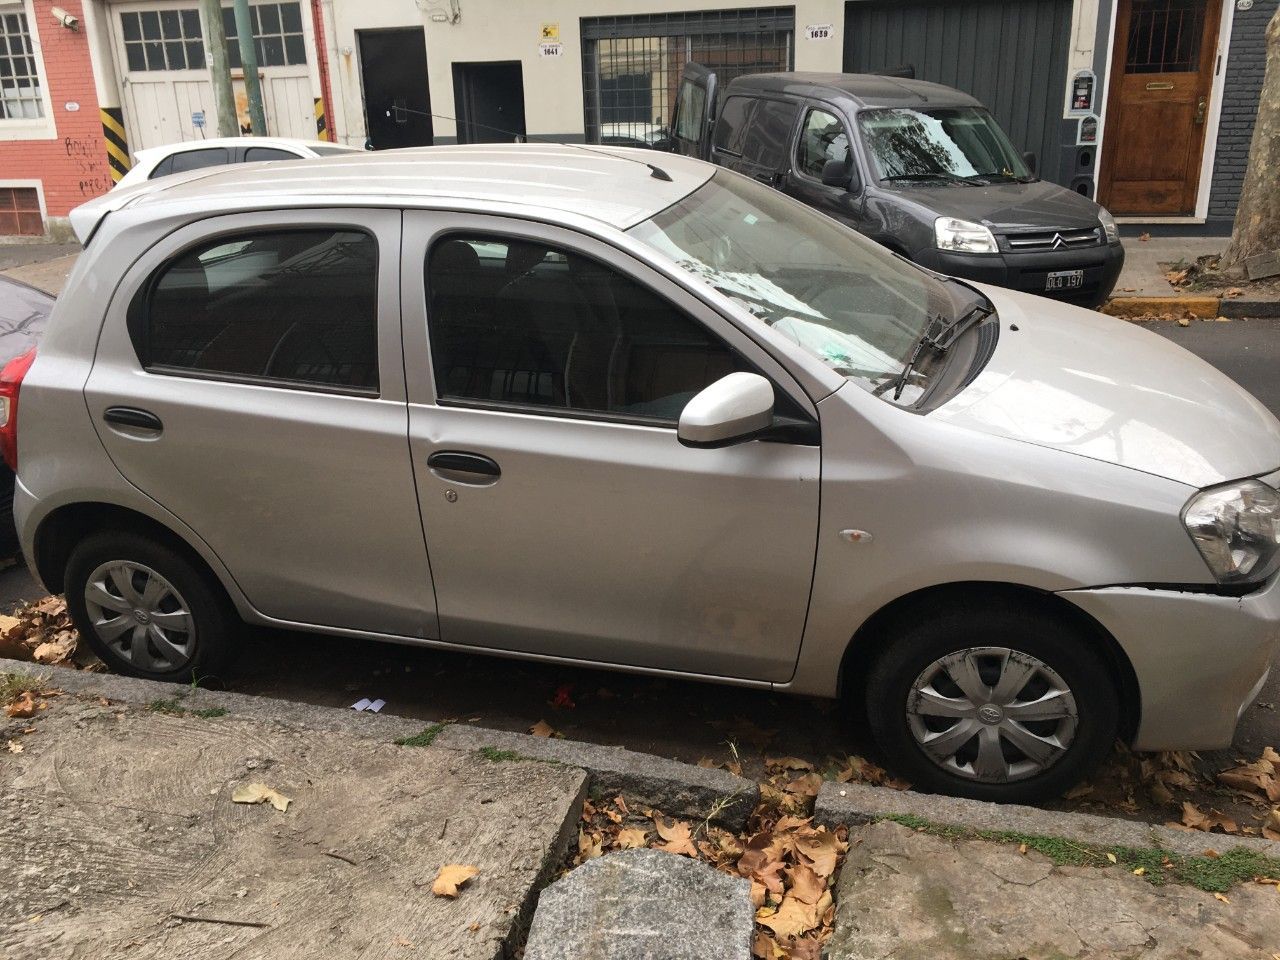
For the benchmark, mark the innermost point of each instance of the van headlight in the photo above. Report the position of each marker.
(1236, 528)
(963, 236)
(1109, 226)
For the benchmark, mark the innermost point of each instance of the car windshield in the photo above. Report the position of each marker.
(953, 143)
(848, 301)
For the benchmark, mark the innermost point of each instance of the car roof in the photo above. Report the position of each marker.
(614, 185)
(865, 90)
(285, 142)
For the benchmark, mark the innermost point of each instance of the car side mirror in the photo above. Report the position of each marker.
(1029, 158)
(732, 410)
(837, 173)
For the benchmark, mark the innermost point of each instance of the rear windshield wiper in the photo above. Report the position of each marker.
(938, 335)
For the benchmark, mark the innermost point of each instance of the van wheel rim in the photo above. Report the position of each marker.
(992, 714)
(140, 616)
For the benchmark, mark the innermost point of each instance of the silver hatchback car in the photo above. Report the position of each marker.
(602, 407)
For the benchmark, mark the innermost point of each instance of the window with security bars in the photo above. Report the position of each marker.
(163, 39)
(1165, 36)
(632, 64)
(277, 30)
(20, 96)
(20, 212)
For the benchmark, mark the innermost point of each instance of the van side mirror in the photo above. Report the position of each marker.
(1029, 158)
(838, 173)
(732, 410)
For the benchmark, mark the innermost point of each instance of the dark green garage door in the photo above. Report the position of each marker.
(1010, 54)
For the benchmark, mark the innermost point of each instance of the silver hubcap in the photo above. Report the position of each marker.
(140, 616)
(992, 714)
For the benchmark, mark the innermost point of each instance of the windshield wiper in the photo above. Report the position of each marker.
(949, 177)
(938, 335)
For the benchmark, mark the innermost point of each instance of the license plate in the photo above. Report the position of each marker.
(1064, 280)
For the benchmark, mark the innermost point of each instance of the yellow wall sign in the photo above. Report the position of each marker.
(551, 31)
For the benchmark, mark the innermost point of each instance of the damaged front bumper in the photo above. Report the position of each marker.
(1200, 658)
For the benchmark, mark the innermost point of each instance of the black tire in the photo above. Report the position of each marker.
(934, 632)
(217, 626)
(8, 530)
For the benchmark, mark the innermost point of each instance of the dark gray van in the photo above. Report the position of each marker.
(921, 168)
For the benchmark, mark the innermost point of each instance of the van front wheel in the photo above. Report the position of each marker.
(147, 610)
(1000, 704)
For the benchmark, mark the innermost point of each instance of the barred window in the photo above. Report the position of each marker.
(163, 39)
(277, 30)
(20, 96)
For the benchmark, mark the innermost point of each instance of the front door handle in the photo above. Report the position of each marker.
(133, 417)
(459, 461)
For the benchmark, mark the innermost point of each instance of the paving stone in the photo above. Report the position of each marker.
(643, 905)
(116, 823)
(905, 895)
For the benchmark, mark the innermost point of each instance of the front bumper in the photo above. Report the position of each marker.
(1027, 272)
(1200, 658)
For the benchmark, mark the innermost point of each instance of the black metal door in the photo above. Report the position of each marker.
(397, 103)
(1010, 54)
(489, 100)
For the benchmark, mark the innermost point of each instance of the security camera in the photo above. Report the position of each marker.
(66, 19)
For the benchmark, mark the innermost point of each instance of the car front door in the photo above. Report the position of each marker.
(562, 515)
(250, 380)
(823, 137)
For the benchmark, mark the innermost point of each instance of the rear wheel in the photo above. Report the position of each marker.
(995, 703)
(148, 610)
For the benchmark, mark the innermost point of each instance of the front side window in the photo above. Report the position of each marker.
(823, 139)
(848, 301)
(20, 94)
(958, 144)
(520, 322)
(295, 306)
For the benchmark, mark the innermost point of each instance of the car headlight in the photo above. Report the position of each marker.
(1236, 529)
(963, 236)
(1109, 225)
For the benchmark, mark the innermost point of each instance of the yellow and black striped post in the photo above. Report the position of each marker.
(117, 143)
(322, 122)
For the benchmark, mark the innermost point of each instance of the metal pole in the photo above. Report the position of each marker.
(224, 100)
(249, 63)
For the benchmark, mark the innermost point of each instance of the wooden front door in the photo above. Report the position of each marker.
(1161, 77)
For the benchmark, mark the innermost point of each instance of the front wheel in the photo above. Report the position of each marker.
(147, 610)
(994, 703)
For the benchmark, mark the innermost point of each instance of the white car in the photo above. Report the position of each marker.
(626, 409)
(194, 154)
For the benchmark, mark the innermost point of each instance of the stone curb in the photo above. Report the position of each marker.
(675, 788)
(851, 803)
(1129, 308)
(1237, 309)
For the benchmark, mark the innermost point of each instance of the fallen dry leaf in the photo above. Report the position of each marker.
(629, 838)
(677, 836)
(23, 706)
(261, 793)
(542, 729)
(806, 886)
(792, 918)
(1219, 896)
(1197, 819)
(15, 746)
(451, 877)
(1144, 237)
(590, 845)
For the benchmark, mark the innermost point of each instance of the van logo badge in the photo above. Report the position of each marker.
(1058, 241)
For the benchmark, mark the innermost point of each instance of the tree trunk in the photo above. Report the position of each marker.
(1257, 226)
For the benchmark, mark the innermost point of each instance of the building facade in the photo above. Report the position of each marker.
(1147, 105)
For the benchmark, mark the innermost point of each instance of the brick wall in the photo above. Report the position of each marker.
(1245, 65)
(72, 167)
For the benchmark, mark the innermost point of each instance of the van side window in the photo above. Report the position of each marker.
(297, 306)
(732, 125)
(823, 139)
(519, 322)
(690, 112)
(766, 144)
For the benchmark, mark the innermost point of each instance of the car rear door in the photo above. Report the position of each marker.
(563, 516)
(695, 112)
(250, 380)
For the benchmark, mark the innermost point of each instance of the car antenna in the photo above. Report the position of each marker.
(655, 171)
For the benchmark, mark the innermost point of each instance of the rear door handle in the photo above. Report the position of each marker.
(133, 417)
(459, 461)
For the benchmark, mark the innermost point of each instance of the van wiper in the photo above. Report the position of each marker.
(940, 175)
(938, 335)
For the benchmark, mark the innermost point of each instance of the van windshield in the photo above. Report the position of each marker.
(950, 144)
(848, 301)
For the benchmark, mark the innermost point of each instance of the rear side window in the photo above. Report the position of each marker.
(823, 139)
(297, 307)
(267, 153)
(768, 134)
(732, 125)
(690, 111)
(196, 159)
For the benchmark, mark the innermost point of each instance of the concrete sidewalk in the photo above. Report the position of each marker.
(1144, 291)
